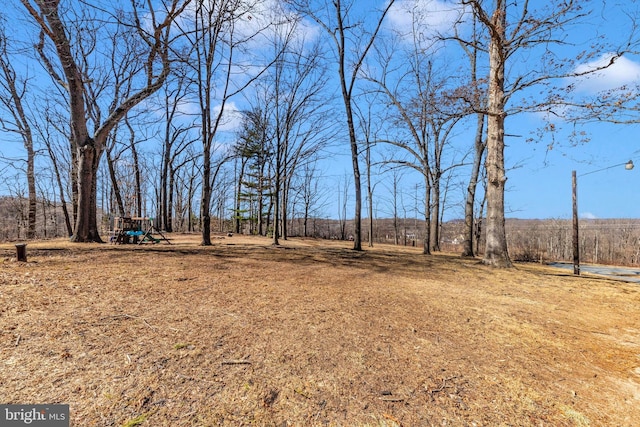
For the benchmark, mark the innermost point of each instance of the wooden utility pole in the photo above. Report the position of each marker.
(576, 240)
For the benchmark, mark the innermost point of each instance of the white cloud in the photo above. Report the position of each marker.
(189, 112)
(274, 22)
(428, 17)
(231, 117)
(259, 16)
(266, 18)
(623, 71)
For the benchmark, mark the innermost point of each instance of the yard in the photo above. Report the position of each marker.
(312, 333)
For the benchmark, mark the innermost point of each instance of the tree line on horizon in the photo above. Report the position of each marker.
(227, 109)
(602, 241)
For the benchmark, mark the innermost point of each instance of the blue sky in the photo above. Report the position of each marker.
(540, 185)
(539, 180)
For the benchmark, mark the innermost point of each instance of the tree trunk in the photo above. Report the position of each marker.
(277, 214)
(357, 226)
(496, 253)
(426, 245)
(205, 215)
(168, 220)
(467, 244)
(369, 192)
(138, 178)
(434, 237)
(74, 182)
(31, 184)
(396, 233)
(45, 204)
(261, 189)
(284, 211)
(86, 226)
(191, 194)
(164, 184)
(238, 195)
(114, 183)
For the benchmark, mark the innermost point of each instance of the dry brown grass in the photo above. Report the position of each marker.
(312, 333)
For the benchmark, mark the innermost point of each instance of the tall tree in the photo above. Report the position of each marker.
(13, 90)
(427, 108)
(496, 253)
(254, 150)
(351, 42)
(147, 25)
(299, 115)
(535, 29)
(176, 139)
(370, 124)
(222, 67)
(212, 32)
(475, 96)
(53, 131)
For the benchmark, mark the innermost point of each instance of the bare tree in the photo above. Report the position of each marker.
(112, 159)
(395, 192)
(476, 99)
(212, 32)
(370, 124)
(519, 28)
(13, 90)
(219, 36)
(298, 114)
(496, 253)
(428, 109)
(352, 42)
(137, 166)
(53, 131)
(176, 139)
(343, 198)
(310, 193)
(151, 69)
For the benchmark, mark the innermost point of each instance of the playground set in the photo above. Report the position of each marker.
(136, 230)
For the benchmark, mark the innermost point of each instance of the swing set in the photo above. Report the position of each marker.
(135, 230)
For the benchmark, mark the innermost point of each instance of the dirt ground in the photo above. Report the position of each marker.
(312, 333)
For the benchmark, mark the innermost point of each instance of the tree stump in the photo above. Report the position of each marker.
(21, 252)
